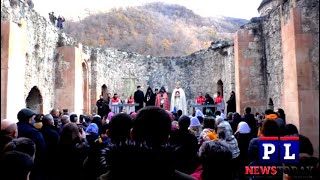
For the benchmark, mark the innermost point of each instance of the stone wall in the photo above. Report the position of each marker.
(271, 29)
(42, 38)
(121, 72)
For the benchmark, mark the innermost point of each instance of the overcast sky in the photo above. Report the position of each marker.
(245, 9)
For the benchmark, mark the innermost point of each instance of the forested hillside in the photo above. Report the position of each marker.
(156, 29)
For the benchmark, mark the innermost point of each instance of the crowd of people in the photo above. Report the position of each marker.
(160, 99)
(152, 143)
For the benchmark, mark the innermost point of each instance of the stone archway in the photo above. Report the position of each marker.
(220, 87)
(34, 100)
(104, 91)
(85, 88)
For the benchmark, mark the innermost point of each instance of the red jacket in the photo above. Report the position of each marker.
(218, 99)
(130, 101)
(201, 99)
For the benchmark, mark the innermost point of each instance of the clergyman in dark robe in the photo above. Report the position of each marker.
(231, 103)
(138, 98)
(150, 97)
(209, 101)
(101, 105)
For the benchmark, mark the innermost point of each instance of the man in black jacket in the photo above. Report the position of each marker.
(138, 98)
(26, 129)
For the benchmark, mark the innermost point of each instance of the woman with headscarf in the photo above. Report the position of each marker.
(195, 127)
(231, 107)
(162, 99)
(92, 133)
(243, 136)
(150, 97)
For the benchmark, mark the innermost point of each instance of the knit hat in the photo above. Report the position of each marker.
(194, 122)
(25, 113)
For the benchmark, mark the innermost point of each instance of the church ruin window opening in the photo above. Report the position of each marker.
(220, 87)
(104, 91)
(34, 100)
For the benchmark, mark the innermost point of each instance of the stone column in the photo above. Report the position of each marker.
(301, 91)
(13, 53)
(249, 81)
(69, 93)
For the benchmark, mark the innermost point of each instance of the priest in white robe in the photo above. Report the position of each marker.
(178, 100)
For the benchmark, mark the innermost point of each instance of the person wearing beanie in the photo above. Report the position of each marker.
(73, 118)
(26, 129)
(271, 115)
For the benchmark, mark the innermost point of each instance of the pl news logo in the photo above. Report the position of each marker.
(274, 151)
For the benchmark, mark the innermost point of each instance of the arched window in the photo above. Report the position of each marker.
(104, 91)
(34, 100)
(220, 87)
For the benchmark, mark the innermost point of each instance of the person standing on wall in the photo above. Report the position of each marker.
(60, 20)
(52, 18)
(138, 98)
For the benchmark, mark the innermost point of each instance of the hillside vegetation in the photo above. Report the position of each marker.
(156, 29)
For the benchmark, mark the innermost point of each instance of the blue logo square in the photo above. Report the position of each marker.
(269, 150)
(289, 150)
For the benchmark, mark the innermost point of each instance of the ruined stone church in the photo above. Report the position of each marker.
(272, 62)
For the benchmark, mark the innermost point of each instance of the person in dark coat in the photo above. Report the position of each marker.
(281, 115)
(56, 118)
(72, 151)
(187, 147)
(251, 121)
(231, 103)
(102, 106)
(26, 129)
(138, 98)
(150, 97)
(51, 137)
(60, 21)
(209, 101)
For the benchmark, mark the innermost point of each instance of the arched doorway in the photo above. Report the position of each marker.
(104, 91)
(34, 100)
(85, 88)
(220, 87)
